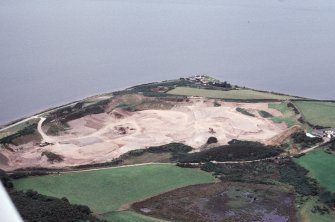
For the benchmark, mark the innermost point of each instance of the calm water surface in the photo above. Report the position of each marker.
(52, 52)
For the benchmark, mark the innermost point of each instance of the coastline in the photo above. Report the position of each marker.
(67, 103)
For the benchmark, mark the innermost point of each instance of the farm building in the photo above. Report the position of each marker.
(329, 132)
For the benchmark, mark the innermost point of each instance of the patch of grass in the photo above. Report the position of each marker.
(227, 94)
(129, 216)
(108, 189)
(321, 167)
(289, 121)
(282, 107)
(318, 113)
(288, 115)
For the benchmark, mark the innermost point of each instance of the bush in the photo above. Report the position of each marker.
(216, 104)
(212, 140)
(265, 114)
(244, 111)
(208, 167)
(52, 157)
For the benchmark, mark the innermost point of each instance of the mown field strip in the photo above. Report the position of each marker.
(230, 94)
(107, 190)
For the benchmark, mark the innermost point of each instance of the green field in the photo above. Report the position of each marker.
(108, 189)
(321, 166)
(318, 113)
(288, 115)
(231, 94)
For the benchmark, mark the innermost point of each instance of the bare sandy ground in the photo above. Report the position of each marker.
(103, 137)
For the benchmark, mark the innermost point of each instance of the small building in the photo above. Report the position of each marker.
(327, 132)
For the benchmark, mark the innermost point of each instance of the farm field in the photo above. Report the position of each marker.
(318, 113)
(321, 166)
(231, 94)
(108, 189)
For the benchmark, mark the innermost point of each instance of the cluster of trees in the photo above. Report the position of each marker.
(178, 151)
(33, 206)
(224, 84)
(301, 138)
(236, 150)
(296, 176)
(258, 172)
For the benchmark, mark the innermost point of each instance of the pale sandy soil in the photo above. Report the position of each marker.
(103, 137)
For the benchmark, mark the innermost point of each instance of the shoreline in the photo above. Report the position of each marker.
(67, 103)
(64, 104)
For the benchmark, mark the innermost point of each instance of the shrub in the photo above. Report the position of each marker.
(265, 114)
(244, 111)
(212, 140)
(216, 104)
(52, 157)
(208, 167)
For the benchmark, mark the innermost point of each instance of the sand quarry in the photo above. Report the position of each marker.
(103, 137)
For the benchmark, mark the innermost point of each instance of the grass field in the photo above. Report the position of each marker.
(288, 115)
(318, 113)
(231, 94)
(321, 166)
(107, 190)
